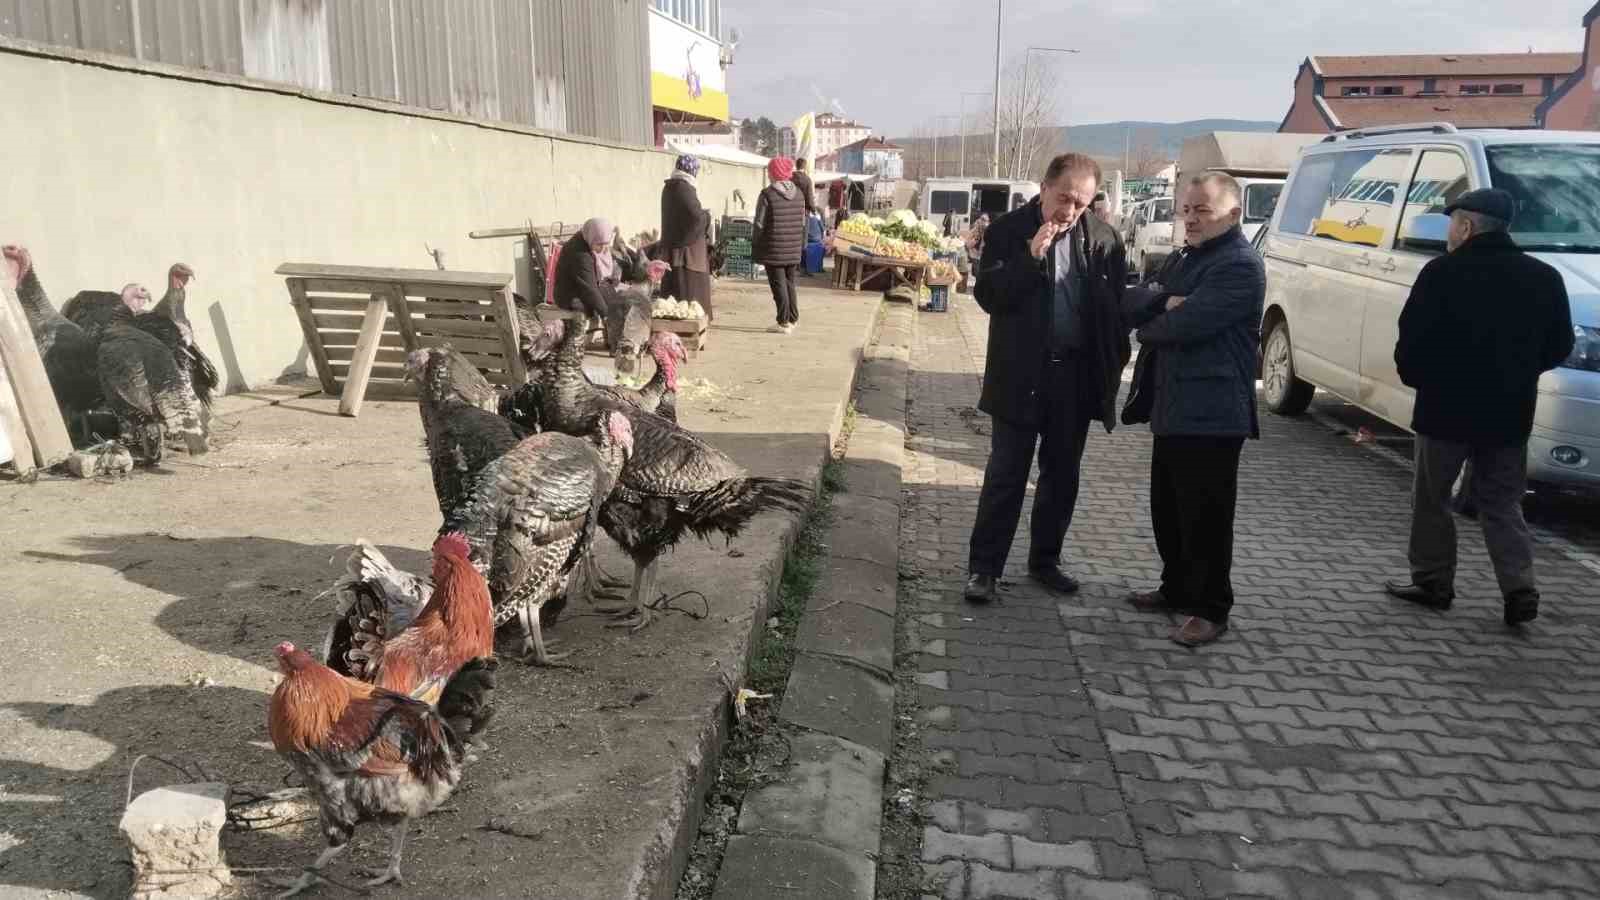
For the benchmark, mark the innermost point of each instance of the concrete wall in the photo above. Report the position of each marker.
(113, 170)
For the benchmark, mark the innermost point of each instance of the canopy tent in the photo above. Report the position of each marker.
(720, 153)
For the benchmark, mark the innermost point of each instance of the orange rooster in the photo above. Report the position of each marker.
(449, 642)
(365, 753)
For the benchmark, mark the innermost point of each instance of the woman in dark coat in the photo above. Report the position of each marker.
(586, 272)
(683, 236)
(780, 239)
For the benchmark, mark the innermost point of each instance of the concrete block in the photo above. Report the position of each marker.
(763, 868)
(832, 793)
(858, 633)
(174, 834)
(865, 527)
(869, 584)
(871, 477)
(840, 699)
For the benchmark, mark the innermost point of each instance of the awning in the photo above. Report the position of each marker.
(720, 153)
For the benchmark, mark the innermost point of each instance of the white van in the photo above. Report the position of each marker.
(1149, 241)
(1259, 161)
(1359, 219)
(970, 197)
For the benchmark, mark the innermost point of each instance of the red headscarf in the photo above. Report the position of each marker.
(780, 168)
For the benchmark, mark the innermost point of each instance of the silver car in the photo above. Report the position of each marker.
(1362, 214)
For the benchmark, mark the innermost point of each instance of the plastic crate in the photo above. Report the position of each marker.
(938, 298)
(737, 227)
(739, 268)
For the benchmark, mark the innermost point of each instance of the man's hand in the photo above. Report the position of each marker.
(1042, 238)
(1173, 303)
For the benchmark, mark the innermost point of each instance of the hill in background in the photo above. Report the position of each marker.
(1107, 141)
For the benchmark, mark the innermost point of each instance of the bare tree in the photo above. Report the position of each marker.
(1030, 92)
(1146, 159)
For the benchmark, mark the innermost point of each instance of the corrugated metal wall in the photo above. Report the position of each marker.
(581, 66)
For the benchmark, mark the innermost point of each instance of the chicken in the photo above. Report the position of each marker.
(92, 309)
(365, 753)
(532, 515)
(674, 483)
(68, 353)
(418, 658)
(143, 386)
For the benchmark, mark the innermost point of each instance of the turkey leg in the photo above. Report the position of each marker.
(602, 586)
(533, 639)
(312, 874)
(644, 588)
(397, 843)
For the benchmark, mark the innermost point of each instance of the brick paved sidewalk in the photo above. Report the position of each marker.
(1334, 744)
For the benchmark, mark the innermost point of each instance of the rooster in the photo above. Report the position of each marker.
(145, 390)
(674, 483)
(365, 753)
(68, 353)
(415, 650)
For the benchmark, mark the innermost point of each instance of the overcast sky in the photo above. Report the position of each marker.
(896, 64)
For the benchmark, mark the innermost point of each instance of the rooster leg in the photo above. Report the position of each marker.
(397, 843)
(533, 639)
(313, 872)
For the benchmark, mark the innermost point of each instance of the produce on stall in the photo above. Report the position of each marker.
(673, 308)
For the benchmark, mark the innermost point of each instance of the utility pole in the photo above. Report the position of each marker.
(999, 21)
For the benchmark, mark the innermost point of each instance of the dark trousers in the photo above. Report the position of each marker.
(1194, 484)
(1499, 479)
(1063, 427)
(781, 280)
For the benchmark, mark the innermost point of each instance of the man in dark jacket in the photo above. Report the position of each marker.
(1481, 325)
(1197, 362)
(780, 239)
(1051, 280)
(802, 183)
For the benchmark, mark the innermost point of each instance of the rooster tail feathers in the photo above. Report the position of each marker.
(464, 702)
(372, 601)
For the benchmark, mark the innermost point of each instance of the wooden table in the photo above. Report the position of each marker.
(360, 323)
(850, 270)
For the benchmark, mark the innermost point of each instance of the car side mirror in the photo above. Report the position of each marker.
(1427, 233)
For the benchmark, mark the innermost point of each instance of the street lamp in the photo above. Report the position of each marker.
(1022, 127)
(999, 22)
(963, 107)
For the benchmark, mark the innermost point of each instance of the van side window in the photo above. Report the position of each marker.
(1349, 197)
(1441, 177)
(948, 201)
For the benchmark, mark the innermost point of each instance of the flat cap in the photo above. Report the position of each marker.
(1486, 201)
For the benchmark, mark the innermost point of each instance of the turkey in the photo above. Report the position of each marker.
(92, 309)
(145, 389)
(68, 353)
(529, 520)
(180, 335)
(659, 395)
(460, 421)
(674, 483)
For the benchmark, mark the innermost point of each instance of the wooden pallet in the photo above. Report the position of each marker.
(693, 332)
(28, 411)
(360, 323)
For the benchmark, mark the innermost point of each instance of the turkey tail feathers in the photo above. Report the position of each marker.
(729, 506)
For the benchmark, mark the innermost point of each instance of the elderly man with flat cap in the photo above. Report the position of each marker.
(1483, 322)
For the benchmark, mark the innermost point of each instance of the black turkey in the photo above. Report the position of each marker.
(145, 389)
(68, 353)
(92, 309)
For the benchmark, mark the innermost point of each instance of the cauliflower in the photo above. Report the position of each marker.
(904, 217)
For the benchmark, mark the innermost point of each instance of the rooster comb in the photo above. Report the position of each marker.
(452, 543)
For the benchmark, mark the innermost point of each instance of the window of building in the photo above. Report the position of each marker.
(1390, 90)
(1355, 91)
(1508, 89)
(1440, 178)
(1474, 89)
(701, 15)
(1430, 85)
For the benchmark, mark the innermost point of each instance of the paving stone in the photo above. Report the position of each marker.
(857, 633)
(994, 849)
(755, 868)
(865, 528)
(856, 581)
(840, 699)
(831, 792)
(991, 883)
(1026, 854)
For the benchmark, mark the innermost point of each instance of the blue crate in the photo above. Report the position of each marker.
(938, 298)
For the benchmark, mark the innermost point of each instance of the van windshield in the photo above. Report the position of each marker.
(1259, 201)
(1557, 188)
(1161, 211)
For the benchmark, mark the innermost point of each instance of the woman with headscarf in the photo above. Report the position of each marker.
(780, 239)
(586, 273)
(684, 223)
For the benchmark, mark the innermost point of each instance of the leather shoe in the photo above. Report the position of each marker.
(981, 589)
(1196, 632)
(1426, 595)
(1150, 601)
(1522, 607)
(1053, 578)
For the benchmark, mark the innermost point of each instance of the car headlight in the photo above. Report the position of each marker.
(1585, 349)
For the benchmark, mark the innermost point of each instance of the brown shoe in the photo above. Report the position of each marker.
(1150, 601)
(1196, 632)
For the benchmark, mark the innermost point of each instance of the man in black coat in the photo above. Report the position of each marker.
(1051, 280)
(1481, 325)
(1195, 384)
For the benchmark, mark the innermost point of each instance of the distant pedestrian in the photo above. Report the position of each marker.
(949, 223)
(1051, 280)
(1481, 325)
(684, 227)
(780, 239)
(1195, 383)
(802, 181)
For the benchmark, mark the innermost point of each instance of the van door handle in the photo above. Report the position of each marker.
(1364, 259)
(1388, 266)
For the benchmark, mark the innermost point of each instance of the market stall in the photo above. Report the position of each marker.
(883, 254)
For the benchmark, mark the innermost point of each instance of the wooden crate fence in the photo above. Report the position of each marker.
(360, 323)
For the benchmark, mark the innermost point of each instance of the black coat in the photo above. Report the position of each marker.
(1479, 328)
(578, 284)
(807, 192)
(684, 223)
(780, 225)
(1203, 353)
(1017, 291)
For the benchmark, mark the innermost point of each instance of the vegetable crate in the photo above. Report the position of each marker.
(692, 332)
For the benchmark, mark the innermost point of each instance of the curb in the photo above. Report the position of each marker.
(817, 827)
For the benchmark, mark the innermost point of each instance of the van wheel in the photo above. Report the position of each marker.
(1286, 395)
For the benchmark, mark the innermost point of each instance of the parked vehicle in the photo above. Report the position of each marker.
(1259, 161)
(1149, 241)
(1363, 214)
(968, 198)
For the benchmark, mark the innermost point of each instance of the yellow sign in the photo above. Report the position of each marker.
(669, 92)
